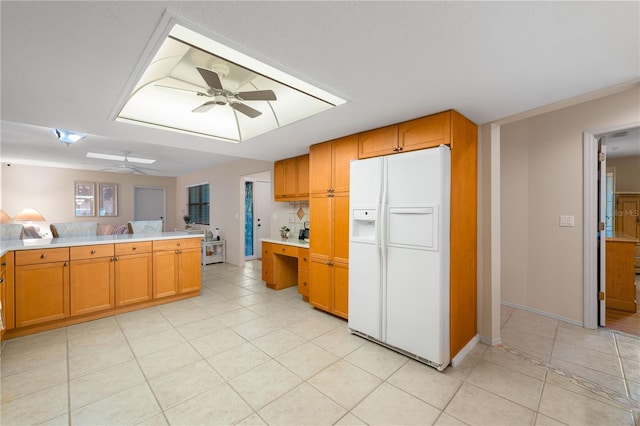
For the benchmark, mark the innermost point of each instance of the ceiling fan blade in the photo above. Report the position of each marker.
(205, 107)
(180, 88)
(211, 78)
(257, 95)
(245, 109)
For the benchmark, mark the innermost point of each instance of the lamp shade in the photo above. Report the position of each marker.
(29, 214)
(4, 218)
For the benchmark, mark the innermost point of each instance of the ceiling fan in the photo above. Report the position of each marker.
(222, 96)
(127, 166)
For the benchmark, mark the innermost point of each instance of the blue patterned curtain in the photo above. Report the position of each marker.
(248, 218)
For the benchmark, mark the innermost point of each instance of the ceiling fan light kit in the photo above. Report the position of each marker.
(246, 97)
(68, 137)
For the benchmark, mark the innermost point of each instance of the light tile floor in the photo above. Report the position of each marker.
(243, 354)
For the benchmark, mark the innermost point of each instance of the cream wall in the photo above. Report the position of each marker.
(51, 191)
(227, 201)
(541, 179)
(627, 173)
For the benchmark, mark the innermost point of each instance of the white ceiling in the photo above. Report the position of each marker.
(68, 64)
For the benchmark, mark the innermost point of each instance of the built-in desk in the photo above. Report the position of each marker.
(285, 263)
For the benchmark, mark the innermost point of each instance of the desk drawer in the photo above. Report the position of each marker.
(267, 251)
(285, 250)
(31, 257)
(303, 259)
(133, 248)
(184, 243)
(90, 252)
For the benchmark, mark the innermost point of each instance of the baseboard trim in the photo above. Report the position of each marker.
(465, 351)
(543, 313)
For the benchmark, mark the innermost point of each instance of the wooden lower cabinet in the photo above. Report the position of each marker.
(134, 278)
(620, 274)
(42, 292)
(177, 270)
(6, 292)
(92, 285)
(303, 273)
(329, 287)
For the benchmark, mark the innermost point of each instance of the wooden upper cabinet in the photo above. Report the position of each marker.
(329, 165)
(343, 151)
(377, 142)
(320, 168)
(425, 132)
(291, 179)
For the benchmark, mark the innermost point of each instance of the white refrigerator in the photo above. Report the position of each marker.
(399, 252)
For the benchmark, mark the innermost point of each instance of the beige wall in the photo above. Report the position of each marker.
(627, 173)
(541, 179)
(226, 183)
(51, 191)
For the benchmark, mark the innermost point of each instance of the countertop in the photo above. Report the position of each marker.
(621, 238)
(290, 242)
(9, 245)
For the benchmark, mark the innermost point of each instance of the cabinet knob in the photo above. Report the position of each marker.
(4, 263)
(66, 264)
(93, 252)
(177, 251)
(43, 255)
(304, 259)
(134, 247)
(1, 280)
(178, 244)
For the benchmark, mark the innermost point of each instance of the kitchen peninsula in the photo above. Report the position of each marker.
(285, 263)
(52, 283)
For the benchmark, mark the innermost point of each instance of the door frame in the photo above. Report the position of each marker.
(164, 201)
(591, 198)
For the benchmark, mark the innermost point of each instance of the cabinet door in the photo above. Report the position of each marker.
(377, 142)
(92, 285)
(267, 272)
(320, 233)
(190, 271)
(133, 275)
(628, 215)
(320, 285)
(302, 173)
(290, 177)
(303, 282)
(341, 289)
(343, 151)
(425, 132)
(42, 293)
(340, 228)
(165, 273)
(320, 179)
(278, 180)
(8, 307)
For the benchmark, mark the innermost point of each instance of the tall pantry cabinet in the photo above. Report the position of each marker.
(329, 213)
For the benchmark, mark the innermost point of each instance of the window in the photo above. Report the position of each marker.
(198, 203)
(609, 203)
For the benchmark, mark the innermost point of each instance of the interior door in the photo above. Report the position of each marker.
(149, 203)
(602, 211)
(261, 213)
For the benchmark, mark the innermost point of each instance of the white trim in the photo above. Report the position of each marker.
(543, 313)
(465, 351)
(590, 229)
(496, 255)
(491, 342)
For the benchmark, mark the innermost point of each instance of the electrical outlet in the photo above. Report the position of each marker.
(568, 221)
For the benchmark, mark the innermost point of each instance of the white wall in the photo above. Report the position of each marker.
(227, 201)
(541, 179)
(51, 191)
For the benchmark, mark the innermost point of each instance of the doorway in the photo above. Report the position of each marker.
(257, 214)
(149, 203)
(612, 259)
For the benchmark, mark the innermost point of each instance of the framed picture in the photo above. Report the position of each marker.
(108, 199)
(85, 199)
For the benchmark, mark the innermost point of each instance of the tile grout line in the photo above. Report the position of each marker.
(66, 329)
(584, 383)
(624, 376)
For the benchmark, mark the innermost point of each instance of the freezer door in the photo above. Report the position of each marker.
(365, 293)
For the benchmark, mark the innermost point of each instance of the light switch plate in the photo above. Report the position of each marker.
(567, 221)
